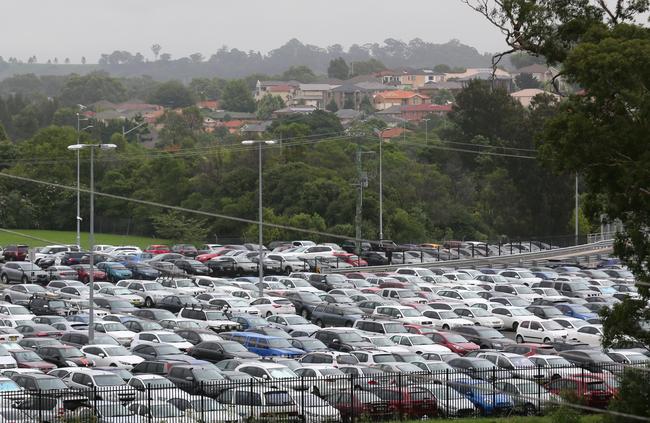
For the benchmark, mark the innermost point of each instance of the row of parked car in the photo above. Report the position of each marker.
(309, 346)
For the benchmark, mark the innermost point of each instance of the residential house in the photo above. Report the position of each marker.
(525, 97)
(433, 89)
(470, 72)
(255, 128)
(386, 99)
(504, 82)
(347, 116)
(420, 111)
(393, 133)
(293, 110)
(541, 73)
(347, 95)
(315, 95)
(208, 104)
(283, 89)
(412, 79)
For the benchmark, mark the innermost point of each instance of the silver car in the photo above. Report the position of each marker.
(21, 294)
(23, 272)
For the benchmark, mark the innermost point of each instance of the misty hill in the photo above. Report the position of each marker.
(235, 63)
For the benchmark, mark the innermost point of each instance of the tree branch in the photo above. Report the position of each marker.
(613, 16)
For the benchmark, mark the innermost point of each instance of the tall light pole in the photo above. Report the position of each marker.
(381, 190)
(91, 236)
(78, 219)
(260, 259)
(577, 206)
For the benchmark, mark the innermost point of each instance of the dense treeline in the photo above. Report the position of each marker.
(431, 192)
(235, 63)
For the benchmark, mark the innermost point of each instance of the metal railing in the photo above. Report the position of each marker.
(337, 397)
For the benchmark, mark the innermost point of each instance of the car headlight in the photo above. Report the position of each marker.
(487, 400)
(497, 345)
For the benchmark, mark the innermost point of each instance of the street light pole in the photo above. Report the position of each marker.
(426, 131)
(381, 191)
(91, 236)
(260, 211)
(78, 217)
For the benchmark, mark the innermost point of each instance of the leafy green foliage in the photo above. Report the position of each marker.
(633, 397)
(177, 227)
(90, 88)
(299, 73)
(338, 69)
(269, 104)
(237, 97)
(172, 94)
(367, 67)
(526, 80)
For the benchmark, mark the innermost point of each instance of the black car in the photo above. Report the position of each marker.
(308, 344)
(478, 368)
(142, 271)
(545, 311)
(174, 303)
(188, 250)
(64, 356)
(329, 281)
(157, 352)
(74, 257)
(196, 336)
(154, 367)
(343, 340)
(592, 360)
(80, 339)
(215, 351)
(304, 302)
(486, 338)
(34, 343)
(374, 258)
(115, 305)
(222, 266)
(42, 306)
(38, 330)
(192, 267)
(154, 314)
(197, 380)
(140, 325)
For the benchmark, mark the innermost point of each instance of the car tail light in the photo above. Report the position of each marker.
(41, 334)
(373, 382)
(276, 306)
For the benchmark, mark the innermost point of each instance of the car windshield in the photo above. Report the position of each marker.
(29, 267)
(526, 275)
(421, 340)
(120, 291)
(383, 358)
(519, 362)
(524, 290)
(215, 315)
(116, 266)
(18, 310)
(158, 383)
(445, 393)
(520, 312)
(70, 353)
(34, 288)
(150, 325)
(233, 347)
(282, 373)
(310, 298)
(152, 286)
(27, 356)
(452, 337)
(490, 333)
(113, 409)
(299, 283)
(165, 410)
(551, 325)
(463, 277)
(109, 380)
(579, 286)
(310, 400)
(279, 343)
(498, 279)
(238, 303)
(382, 342)
(407, 367)
(350, 337)
(580, 309)
(447, 314)
(518, 302)
(114, 327)
(528, 388)
(170, 337)
(479, 312)
(468, 294)
(167, 349)
(209, 374)
(394, 328)
(296, 320)
(557, 362)
(54, 383)
(336, 278)
(410, 312)
(116, 351)
(436, 366)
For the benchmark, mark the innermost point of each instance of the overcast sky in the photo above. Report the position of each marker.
(75, 28)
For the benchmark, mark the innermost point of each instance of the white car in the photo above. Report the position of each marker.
(479, 317)
(182, 286)
(545, 331)
(520, 276)
(15, 312)
(234, 305)
(298, 284)
(519, 290)
(512, 316)
(403, 314)
(117, 330)
(467, 297)
(123, 249)
(570, 324)
(121, 292)
(446, 319)
(151, 292)
(589, 334)
(554, 366)
(268, 306)
(382, 343)
(111, 356)
(160, 337)
(418, 344)
(291, 323)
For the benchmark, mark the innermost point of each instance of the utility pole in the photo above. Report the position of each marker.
(362, 182)
(577, 205)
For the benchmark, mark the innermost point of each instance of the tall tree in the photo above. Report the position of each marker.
(156, 50)
(172, 94)
(338, 69)
(269, 104)
(237, 97)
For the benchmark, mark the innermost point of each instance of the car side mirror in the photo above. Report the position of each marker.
(540, 329)
(102, 355)
(189, 378)
(154, 341)
(265, 376)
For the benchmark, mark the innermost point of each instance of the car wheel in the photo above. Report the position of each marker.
(5, 279)
(8, 299)
(86, 280)
(24, 280)
(445, 327)
(112, 365)
(319, 322)
(305, 313)
(348, 324)
(288, 270)
(547, 341)
(519, 339)
(477, 324)
(269, 314)
(515, 325)
(148, 302)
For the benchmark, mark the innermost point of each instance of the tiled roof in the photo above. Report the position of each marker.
(427, 108)
(399, 94)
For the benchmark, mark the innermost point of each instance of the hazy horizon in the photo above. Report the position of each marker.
(77, 28)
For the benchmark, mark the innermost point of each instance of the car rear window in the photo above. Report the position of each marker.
(596, 386)
(278, 398)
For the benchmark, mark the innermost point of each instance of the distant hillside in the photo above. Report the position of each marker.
(234, 63)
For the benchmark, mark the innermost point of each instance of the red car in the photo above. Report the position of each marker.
(360, 275)
(527, 349)
(28, 359)
(595, 392)
(352, 259)
(157, 249)
(413, 402)
(455, 342)
(83, 271)
(357, 403)
(15, 252)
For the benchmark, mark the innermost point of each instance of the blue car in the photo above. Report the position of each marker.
(484, 396)
(576, 310)
(115, 272)
(264, 345)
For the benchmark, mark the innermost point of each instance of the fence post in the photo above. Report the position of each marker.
(202, 390)
(399, 389)
(539, 390)
(447, 392)
(148, 388)
(494, 391)
(421, 256)
(499, 247)
(251, 406)
(302, 395)
(352, 405)
(40, 408)
(472, 250)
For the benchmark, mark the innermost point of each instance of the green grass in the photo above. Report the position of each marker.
(42, 237)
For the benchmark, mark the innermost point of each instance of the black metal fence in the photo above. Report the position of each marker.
(348, 394)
